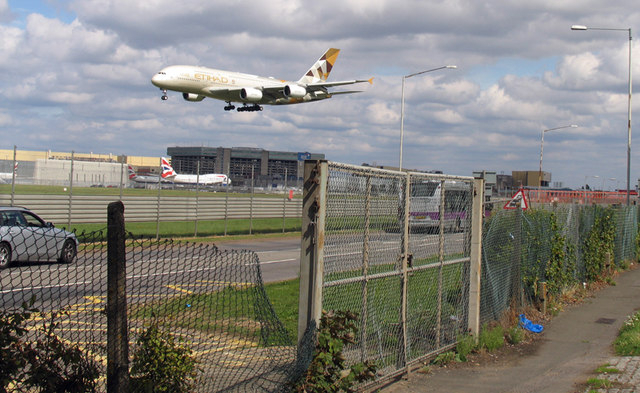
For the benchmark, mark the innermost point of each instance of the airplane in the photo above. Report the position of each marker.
(169, 174)
(196, 83)
(8, 176)
(141, 178)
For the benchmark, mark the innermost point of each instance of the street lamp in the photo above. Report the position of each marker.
(580, 27)
(402, 105)
(542, 146)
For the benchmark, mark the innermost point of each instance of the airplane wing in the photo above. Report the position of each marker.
(339, 83)
(233, 94)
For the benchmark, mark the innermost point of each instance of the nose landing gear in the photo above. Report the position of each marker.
(164, 95)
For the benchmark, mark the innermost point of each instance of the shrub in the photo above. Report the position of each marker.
(466, 344)
(46, 364)
(514, 335)
(491, 338)
(327, 371)
(445, 358)
(162, 365)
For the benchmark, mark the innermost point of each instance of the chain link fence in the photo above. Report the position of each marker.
(547, 244)
(211, 301)
(394, 248)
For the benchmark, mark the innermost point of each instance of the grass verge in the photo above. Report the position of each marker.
(205, 228)
(628, 341)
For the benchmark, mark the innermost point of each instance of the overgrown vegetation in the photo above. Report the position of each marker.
(42, 361)
(160, 364)
(328, 371)
(491, 338)
(599, 243)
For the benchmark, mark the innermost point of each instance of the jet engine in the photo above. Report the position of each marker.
(192, 97)
(250, 94)
(294, 91)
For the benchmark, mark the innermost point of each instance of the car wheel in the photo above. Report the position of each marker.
(5, 255)
(69, 251)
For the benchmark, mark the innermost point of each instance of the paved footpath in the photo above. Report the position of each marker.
(628, 378)
(575, 343)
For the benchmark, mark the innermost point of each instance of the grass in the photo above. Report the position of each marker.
(628, 341)
(170, 229)
(597, 383)
(26, 189)
(606, 369)
(491, 338)
(234, 310)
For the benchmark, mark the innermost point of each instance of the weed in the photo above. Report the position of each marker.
(628, 341)
(606, 369)
(445, 358)
(466, 345)
(598, 383)
(514, 335)
(491, 338)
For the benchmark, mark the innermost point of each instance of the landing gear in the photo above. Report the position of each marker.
(252, 108)
(164, 95)
(229, 107)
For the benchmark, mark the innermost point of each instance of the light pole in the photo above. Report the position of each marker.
(580, 27)
(542, 146)
(402, 104)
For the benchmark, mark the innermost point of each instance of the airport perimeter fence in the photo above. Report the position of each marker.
(209, 305)
(554, 244)
(374, 244)
(416, 287)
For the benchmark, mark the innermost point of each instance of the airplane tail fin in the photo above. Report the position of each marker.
(132, 173)
(319, 72)
(167, 169)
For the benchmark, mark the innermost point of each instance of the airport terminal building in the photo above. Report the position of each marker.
(268, 168)
(239, 163)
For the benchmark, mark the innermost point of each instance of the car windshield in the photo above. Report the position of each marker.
(32, 220)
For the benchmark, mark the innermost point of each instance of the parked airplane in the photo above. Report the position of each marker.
(8, 176)
(141, 178)
(207, 179)
(196, 83)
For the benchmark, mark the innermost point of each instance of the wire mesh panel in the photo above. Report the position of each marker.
(396, 252)
(212, 302)
(215, 302)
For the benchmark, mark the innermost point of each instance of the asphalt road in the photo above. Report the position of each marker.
(57, 285)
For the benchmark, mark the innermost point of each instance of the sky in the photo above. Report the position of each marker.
(75, 75)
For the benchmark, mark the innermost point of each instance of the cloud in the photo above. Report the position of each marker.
(83, 82)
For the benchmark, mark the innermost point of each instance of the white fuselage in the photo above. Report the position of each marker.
(207, 179)
(196, 83)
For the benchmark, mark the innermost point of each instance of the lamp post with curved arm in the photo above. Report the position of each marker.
(581, 27)
(402, 104)
(542, 147)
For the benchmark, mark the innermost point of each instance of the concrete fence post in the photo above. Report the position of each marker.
(314, 205)
(477, 213)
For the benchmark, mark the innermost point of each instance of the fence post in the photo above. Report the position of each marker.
(251, 202)
(158, 202)
(117, 333)
(13, 176)
(70, 192)
(401, 361)
(284, 201)
(477, 212)
(314, 205)
(365, 272)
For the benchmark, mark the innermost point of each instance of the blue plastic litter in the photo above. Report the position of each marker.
(530, 326)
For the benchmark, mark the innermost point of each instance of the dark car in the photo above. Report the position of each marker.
(26, 237)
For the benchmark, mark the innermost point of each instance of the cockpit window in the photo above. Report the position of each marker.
(162, 73)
